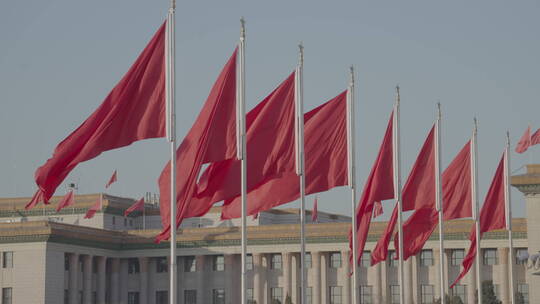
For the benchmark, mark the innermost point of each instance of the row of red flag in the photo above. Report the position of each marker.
(528, 140)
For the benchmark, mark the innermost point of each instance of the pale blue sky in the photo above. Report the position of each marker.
(60, 58)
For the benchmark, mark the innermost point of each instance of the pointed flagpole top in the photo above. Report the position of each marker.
(351, 71)
(397, 95)
(242, 28)
(173, 4)
(439, 113)
(475, 125)
(301, 53)
(507, 138)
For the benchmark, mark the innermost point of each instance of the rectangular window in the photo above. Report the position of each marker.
(114, 220)
(249, 262)
(161, 264)
(218, 263)
(133, 265)
(190, 264)
(276, 293)
(426, 294)
(392, 262)
(125, 222)
(520, 255)
(523, 292)
(335, 259)
(491, 257)
(190, 296)
(133, 297)
(457, 257)
(365, 260)
(249, 296)
(426, 257)
(309, 295)
(461, 292)
(7, 259)
(394, 294)
(308, 260)
(162, 297)
(7, 295)
(275, 261)
(335, 295)
(218, 296)
(366, 294)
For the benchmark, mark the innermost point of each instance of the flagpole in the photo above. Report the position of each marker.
(170, 94)
(439, 202)
(241, 151)
(299, 105)
(475, 207)
(397, 190)
(508, 207)
(352, 176)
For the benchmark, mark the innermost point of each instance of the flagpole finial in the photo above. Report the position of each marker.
(507, 138)
(439, 113)
(397, 94)
(242, 28)
(351, 70)
(301, 52)
(475, 125)
(173, 4)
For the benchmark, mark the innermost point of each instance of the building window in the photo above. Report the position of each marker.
(365, 260)
(366, 294)
(161, 264)
(392, 262)
(190, 264)
(519, 256)
(249, 296)
(461, 292)
(190, 296)
(162, 297)
(308, 260)
(133, 266)
(249, 262)
(457, 256)
(426, 294)
(275, 261)
(125, 222)
(523, 290)
(309, 295)
(218, 296)
(7, 259)
(335, 260)
(491, 257)
(426, 257)
(276, 294)
(219, 263)
(335, 294)
(394, 294)
(7, 296)
(133, 297)
(114, 220)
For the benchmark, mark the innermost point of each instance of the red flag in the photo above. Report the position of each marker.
(137, 206)
(379, 186)
(134, 110)
(492, 217)
(525, 141)
(211, 138)
(67, 200)
(315, 213)
(377, 209)
(111, 180)
(325, 150)
(92, 210)
(535, 138)
(418, 192)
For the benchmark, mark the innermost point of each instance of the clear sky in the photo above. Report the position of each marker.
(60, 58)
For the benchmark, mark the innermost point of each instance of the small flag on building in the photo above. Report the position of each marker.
(112, 179)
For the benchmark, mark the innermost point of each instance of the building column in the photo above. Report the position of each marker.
(377, 281)
(407, 271)
(347, 284)
(87, 279)
(446, 267)
(73, 278)
(503, 274)
(115, 280)
(143, 279)
(101, 279)
(437, 281)
(416, 293)
(199, 260)
(287, 274)
(316, 291)
(471, 283)
(231, 280)
(152, 270)
(324, 277)
(383, 296)
(257, 269)
(123, 281)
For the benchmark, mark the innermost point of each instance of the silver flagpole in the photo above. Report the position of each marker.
(397, 191)
(508, 207)
(170, 94)
(439, 201)
(299, 109)
(241, 150)
(352, 176)
(475, 207)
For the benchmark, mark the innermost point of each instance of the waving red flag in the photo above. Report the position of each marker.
(111, 180)
(325, 150)
(525, 141)
(137, 206)
(66, 201)
(535, 138)
(92, 210)
(492, 217)
(134, 110)
(211, 138)
(379, 187)
(315, 212)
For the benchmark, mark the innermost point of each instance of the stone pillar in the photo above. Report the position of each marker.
(377, 281)
(437, 281)
(446, 266)
(201, 296)
(115, 280)
(407, 271)
(231, 280)
(504, 274)
(471, 283)
(152, 271)
(123, 281)
(286, 256)
(87, 279)
(324, 277)
(417, 297)
(345, 272)
(383, 296)
(73, 278)
(257, 278)
(101, 279)
(143, 279)
(316, 291)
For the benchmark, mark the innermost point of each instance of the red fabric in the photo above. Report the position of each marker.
(456, 191)
(377, 209)
(111, 180)
(492, 217)
(535, 138)
(92, 210)
(137, 206)
(525, 141)
(379, 186)
(134, 110)
(325, 150)
(315, 213)
(66, 201)
(211, 138)
(418, 192)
